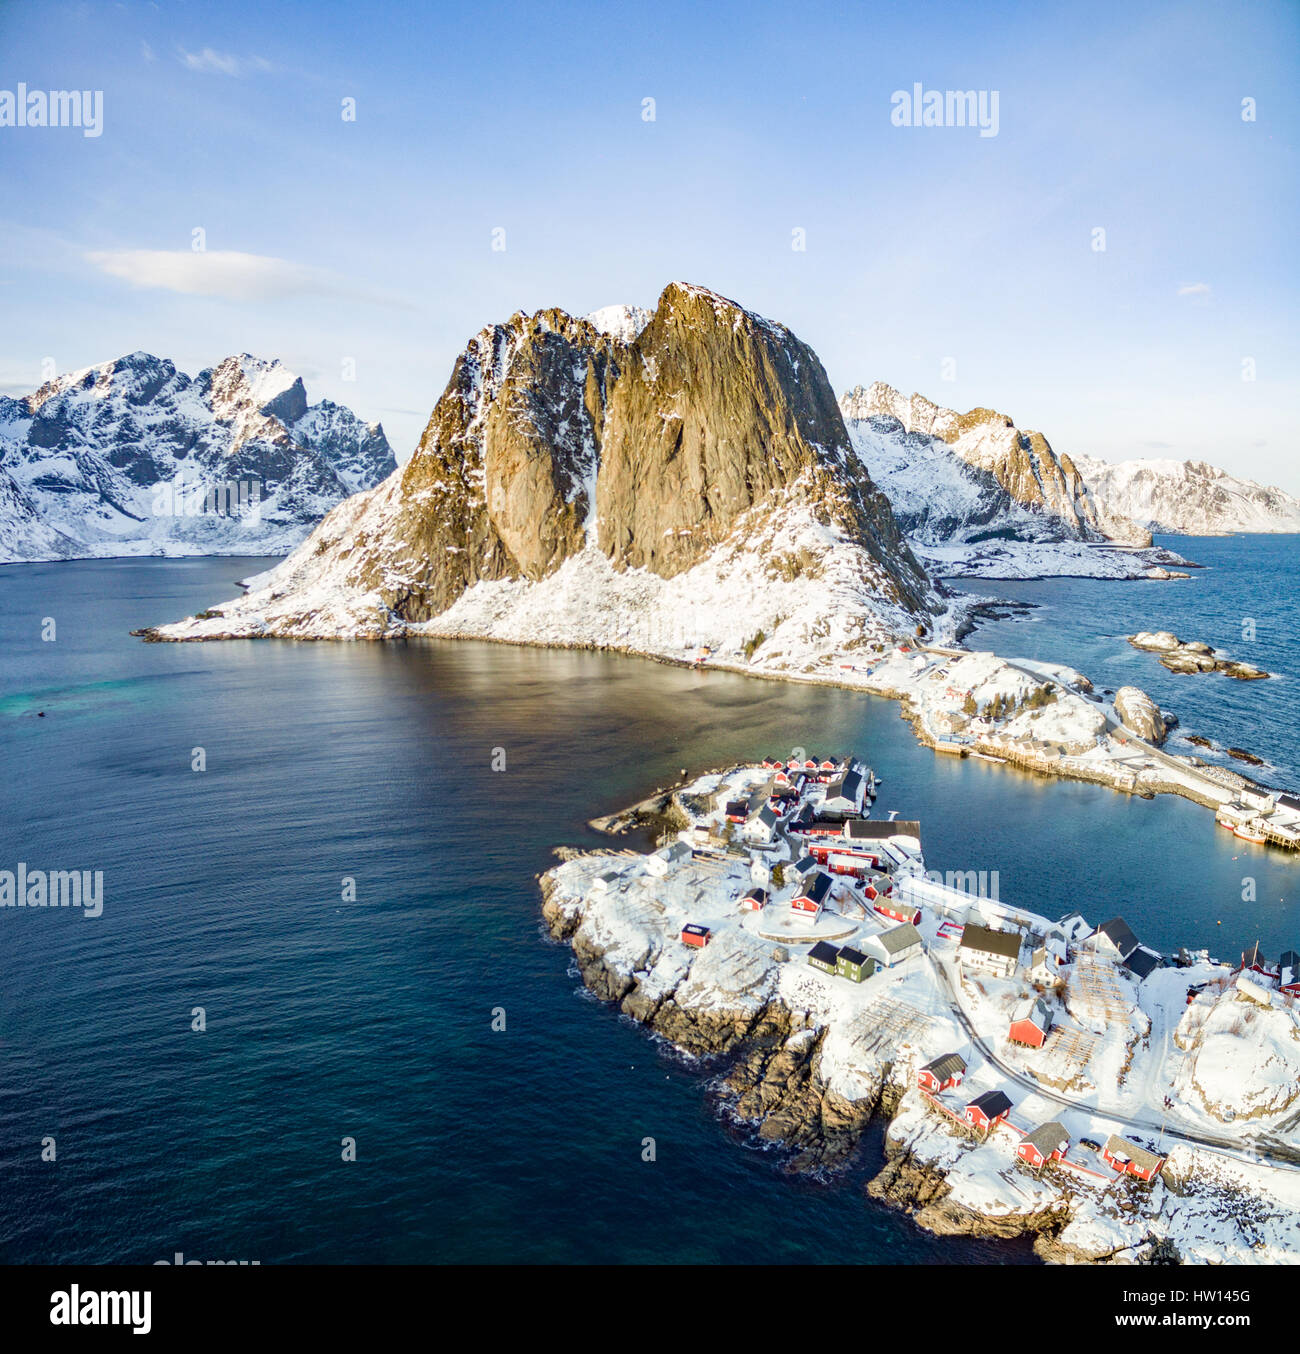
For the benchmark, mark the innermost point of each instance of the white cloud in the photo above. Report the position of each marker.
(1194, 289)
(230, 274)
(212, 62)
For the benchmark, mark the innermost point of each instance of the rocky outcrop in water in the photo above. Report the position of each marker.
(1192, 656)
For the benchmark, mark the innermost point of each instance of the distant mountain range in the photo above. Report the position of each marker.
(978, 496)
(134, 457)
(1190, 497)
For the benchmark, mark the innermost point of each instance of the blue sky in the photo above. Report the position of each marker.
(372, 239)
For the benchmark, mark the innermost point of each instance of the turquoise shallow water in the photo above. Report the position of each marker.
(371, 1017)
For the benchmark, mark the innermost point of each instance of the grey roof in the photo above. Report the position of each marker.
(945, 1066)
(1049, 1137)
(1252, 956)
(992, 1103)
(1139, 1156)
(898, 938)
(1120, 934)
(847, 785)
(766, 815)
(852, 956)
(816, 887)
(977, 937)
(1037, 1010)
(805, 865)
(824, 951)
(1142, 961)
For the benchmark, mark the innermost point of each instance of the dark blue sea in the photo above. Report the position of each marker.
(1245, 601)
(371, 1018)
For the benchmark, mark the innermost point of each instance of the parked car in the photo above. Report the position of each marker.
(1090, 1144)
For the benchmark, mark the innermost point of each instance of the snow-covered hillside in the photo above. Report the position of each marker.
(135, 457)
(1189, 497)
(964, 514)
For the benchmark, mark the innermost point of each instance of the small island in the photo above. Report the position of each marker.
(1191, 656)
(1055, 1078)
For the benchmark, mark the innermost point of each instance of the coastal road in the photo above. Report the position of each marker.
(1280, 1155)
(1113, 724)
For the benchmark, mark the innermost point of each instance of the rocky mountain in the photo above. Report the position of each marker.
(136, 457)
(1189, 497)
(979, 498)
(1022, 464)
(666, 483)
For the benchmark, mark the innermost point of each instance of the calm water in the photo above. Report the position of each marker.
(1083, 623)
(371, 1018)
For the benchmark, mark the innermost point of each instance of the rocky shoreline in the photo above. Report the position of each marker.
(772, 1083)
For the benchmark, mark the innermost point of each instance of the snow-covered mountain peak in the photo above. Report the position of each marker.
(623, 323)
(97, 460)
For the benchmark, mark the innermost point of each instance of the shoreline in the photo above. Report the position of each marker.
(811, 1064)
(1210, 787)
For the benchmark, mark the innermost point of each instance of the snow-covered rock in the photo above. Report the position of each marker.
(689, 491)
(1189, 497)
(978, 498)
(1140, 714)
(136, 457)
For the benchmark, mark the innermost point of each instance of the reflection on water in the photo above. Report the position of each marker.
(330, 1015)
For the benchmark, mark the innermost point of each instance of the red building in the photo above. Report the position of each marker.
(1049, 1142)
(696, 935)
(1129, 1159)
(813, 893)
(754, 901)
(985, 1112)
(887, 907)
(1030, 1022)
(942, 1073)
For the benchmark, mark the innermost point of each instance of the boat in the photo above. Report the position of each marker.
(1247, 833)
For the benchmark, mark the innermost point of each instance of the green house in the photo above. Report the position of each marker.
(824, 956)
(854, 965)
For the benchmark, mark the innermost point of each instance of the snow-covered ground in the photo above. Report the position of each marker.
(1209, 1084)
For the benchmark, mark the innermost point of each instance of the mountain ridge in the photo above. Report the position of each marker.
(625, 478)
(134, 456)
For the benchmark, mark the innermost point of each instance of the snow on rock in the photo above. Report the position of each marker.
(134, 457)
(621, 322)
(1189, 497)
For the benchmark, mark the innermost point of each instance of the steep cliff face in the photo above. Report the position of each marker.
(1023, 463)
(134, 456)
(634, 452)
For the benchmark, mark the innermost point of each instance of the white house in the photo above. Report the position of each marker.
(894, 946)
(658, 863)
(996, 952)
(760, 827)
